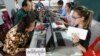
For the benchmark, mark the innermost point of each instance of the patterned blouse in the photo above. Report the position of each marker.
(15, 41)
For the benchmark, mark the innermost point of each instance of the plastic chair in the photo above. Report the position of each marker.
(91, 51)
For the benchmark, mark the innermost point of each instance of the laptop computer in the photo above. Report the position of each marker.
(59, 38)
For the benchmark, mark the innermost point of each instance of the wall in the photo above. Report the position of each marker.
(1, 2)
(93, 5)
(53, 2)
(10, 6)
(46, 2)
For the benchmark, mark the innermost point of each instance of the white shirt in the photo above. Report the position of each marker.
(69, 18)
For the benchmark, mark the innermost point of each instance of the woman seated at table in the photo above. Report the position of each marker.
(18, 36)
(68, 20)
(82, 18)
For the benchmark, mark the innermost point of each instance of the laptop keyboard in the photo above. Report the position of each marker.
(60, 39)
(39, 42)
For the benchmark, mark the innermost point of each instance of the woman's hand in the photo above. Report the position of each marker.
(75, 38)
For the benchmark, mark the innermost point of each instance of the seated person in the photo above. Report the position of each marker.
(39, 5)
(18, 36)
(68, 20)
(61, 10)
(26, 8)
(82, 18)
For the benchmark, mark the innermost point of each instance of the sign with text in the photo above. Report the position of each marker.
(35, 52)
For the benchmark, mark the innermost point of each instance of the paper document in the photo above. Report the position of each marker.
(82, 33)
(35, 52)
(54, 25)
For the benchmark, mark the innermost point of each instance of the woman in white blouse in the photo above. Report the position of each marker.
(68, 18)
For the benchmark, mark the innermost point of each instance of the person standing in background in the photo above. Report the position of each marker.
(16, 5)
(26, 8)
(32, 4)
(39, 4)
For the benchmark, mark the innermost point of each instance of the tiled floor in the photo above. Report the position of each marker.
(95, 31)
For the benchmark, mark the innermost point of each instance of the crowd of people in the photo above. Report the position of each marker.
(71, 15)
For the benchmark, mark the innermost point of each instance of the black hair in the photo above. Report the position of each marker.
(24, 23)
(60, 2)
(24, 3)
(71, 5)
(30, 0)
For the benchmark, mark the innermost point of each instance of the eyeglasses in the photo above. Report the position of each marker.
(75, 17)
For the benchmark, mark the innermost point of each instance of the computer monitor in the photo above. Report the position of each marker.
(49, 37)
(48, 34)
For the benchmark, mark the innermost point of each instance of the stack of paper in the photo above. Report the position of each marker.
(81, 33)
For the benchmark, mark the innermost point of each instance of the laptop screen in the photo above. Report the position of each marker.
(48, 34)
